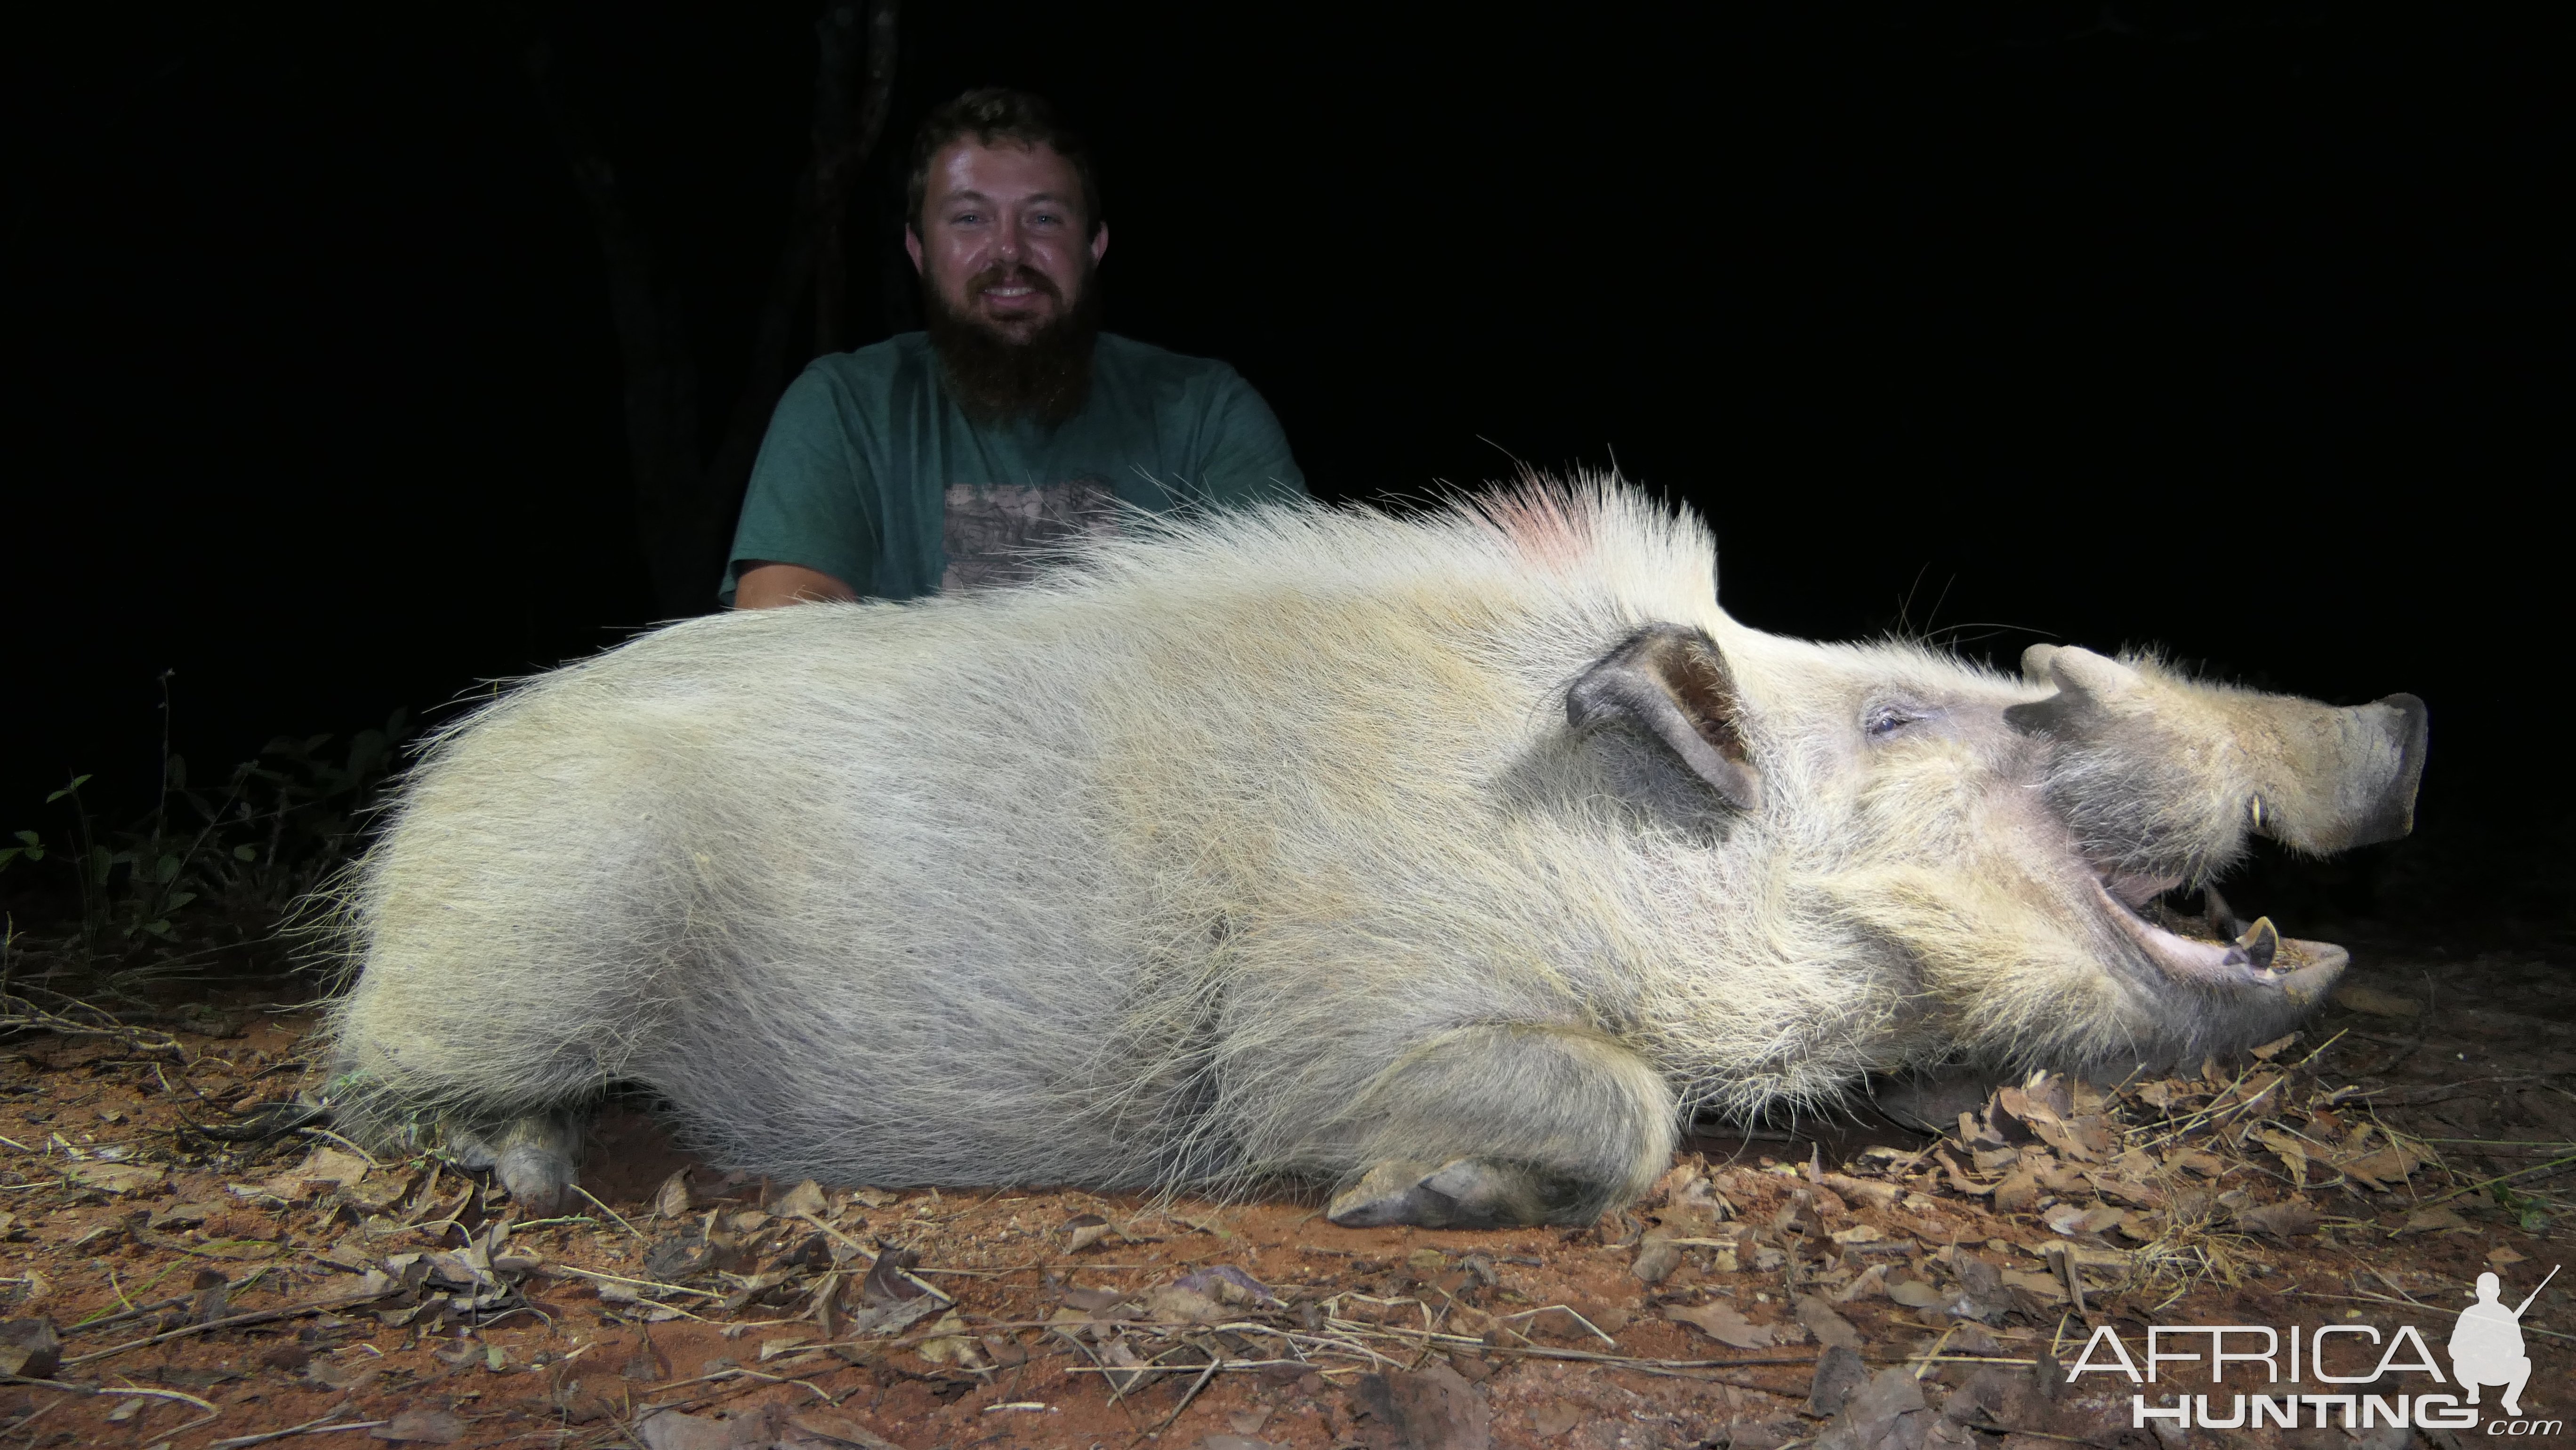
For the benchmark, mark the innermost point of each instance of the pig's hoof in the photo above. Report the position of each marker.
(539, 1178)
(532, 1157)
(1390, 1192)
(1461, 1193)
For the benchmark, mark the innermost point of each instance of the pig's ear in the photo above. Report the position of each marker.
(1672, 683)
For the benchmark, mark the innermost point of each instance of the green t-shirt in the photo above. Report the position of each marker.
(871, 474)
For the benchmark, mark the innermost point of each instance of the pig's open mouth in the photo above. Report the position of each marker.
(2213, 947)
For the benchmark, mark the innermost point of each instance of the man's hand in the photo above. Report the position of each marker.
(766, 586)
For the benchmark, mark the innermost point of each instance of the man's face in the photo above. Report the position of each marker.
(1003, 238)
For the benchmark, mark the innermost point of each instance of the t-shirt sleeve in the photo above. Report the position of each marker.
(812, 499)
(1246, 458)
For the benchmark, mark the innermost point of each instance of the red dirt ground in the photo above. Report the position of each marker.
(282, 1289)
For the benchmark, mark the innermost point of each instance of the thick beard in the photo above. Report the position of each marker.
(994, 379)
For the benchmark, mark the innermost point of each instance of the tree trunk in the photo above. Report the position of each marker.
(686, 498)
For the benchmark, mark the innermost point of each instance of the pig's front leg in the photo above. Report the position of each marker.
(1495, 1126)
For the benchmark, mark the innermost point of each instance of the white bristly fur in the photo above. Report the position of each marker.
(1189, 863)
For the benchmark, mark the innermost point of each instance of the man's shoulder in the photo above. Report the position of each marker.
(1159, 367)
(875, 367)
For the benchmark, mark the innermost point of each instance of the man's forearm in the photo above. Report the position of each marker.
(767, 586)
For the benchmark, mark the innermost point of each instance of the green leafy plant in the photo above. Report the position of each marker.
(207, 877)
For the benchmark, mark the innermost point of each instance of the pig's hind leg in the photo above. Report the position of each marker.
(1502, 1125)
(532, 1156)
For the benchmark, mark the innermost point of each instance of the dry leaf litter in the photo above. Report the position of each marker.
(176, 1280)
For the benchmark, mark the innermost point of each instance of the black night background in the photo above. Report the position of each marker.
(359, 358)
(2238, 331)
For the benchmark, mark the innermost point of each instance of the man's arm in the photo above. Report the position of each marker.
(1246, 459)
(808, 510)
(760, 584)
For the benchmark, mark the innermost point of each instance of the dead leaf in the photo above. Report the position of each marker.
(1126, 1369)
(1227, 1284)
(950, 1343)
(2292, 1153)
(1556, 1417)
(888, 1282)
(2018, 1191)
(1657, 1256)
(2047, 1288)
(113, 1177)
(1433, 1408)
(331, 1375)
(2391, 1164)
(673, 1430)
(1981, 1293)
(1884, 1409)
(380, 1189)
(1959, 1182)
(1870, 1283)
(827, 1425)
(805, 1199)
(2024, 1107)
(2280, 1220)
(1914, 1294)
(432, 1427)
(2372, 1002)
(30, 1348)
(2501, 1256)
(2127, 1191)
(1719, 1321)
(2275, 1047)
(1088, 1229)
(2062, 1139)
(2434, 1220)
(2058, 1178)
(1828, 1327)
(673, 1199)
(1172, 1302)
(1875, 1194)
(1089, 1299)
(324, 1167)
(1674, 1184)
(2073, 1219)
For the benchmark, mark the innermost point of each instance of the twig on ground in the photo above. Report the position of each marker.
(130, 1390)
(552, 1270)
(345, 1143)
(264, 1316)
(324, 1426)
(613, 1213)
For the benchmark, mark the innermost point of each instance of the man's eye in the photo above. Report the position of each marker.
(966, 218)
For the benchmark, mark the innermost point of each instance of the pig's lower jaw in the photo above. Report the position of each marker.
(2259, 960)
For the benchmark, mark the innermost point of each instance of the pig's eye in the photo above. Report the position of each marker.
(1884, 721)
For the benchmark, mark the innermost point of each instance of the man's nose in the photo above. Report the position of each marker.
(1007, 240)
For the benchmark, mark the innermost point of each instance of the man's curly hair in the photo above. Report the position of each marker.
(994, 114)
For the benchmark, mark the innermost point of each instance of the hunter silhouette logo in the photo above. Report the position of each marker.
(2292, 1364)
(2486, 1345)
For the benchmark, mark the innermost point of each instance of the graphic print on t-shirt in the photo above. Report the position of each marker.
(999, 533)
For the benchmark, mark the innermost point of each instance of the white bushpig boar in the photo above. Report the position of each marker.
(1450, 862)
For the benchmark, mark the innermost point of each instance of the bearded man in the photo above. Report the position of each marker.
(950, 458)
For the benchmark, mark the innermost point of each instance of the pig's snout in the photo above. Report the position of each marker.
(2314, 777)
(2383, 759)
